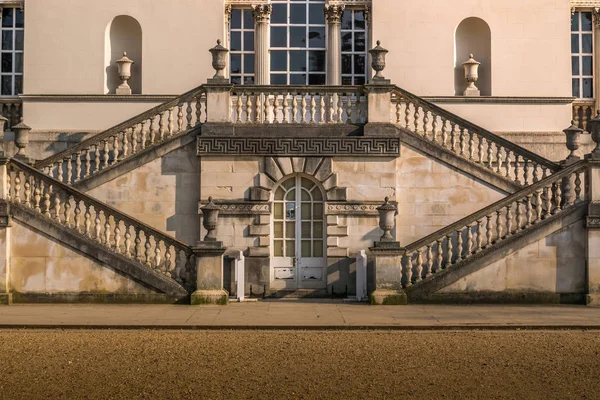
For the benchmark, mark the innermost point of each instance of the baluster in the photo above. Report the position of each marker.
(267, 109)
(429, 257)
(444, 132)
(398, 111)
(313, 109)
(469, 249)
(340, 108)
(566, 198)
(276, 108)
(143, 135)
(148, 253)
(258, 109)
(556, 196)
(249, 108)
(180, 117)
(87, 221)
(27, 186)
(199, 109)
(125, 144)
(409, 266)
(459, 245)
(516, 168)
(137, 246)
(419, 271)
(508, 153)
(77, 216)
(170, 121)
(499, 225)
(104, 154)
(578, 187)
(434, 130)
(425, 123)
(452, 137)
(480, 149)
(499, 160)
(538, 206)
(547, 202)
(509, 220)
(115, 157)
(97, 227)
(519, 217)
(488, 230)
(127, 241)
(56, 207)
(303, 102)
(490, 157)
(461, 138)
(47, 202)
(322, 110)
(407, 115)
(168, 267)
(37, 196)
(59, 171)
(189, 114)
(152, 127)
(17, 187)
(449, 256)
(348, 108)
(157, 257)
(526, 171)
(117, 235)
(528, 210)
(106, 229)
(68, 211)
(417, 116)
(69, 176)
(479, 241)
(134, 139)
(536, 176)
(471, 144)
(358, 106)
(440, 255)
(78, 171)
(576, 119)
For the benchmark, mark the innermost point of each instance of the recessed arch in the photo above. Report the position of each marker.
(473, 36)
(123, 34)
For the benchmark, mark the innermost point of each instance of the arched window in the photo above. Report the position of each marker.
(473, 36)
(123, 34)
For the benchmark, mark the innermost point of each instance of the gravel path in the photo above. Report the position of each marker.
(55, 364)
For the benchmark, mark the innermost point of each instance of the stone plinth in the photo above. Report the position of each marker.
(387, 274)
(209, 274)
(592, 225)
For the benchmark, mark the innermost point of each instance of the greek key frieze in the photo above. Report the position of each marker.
(306, 146)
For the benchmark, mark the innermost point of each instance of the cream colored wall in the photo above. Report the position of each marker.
(163, 194)
(554, 264)
(42, 265)
(65, 43)
(530, 44)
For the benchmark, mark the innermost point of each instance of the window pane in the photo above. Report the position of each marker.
(306, 231)
(359, 65)
(249, 80)
(316, 61)
(575, 22)
(318, 248)
(279, 61)
(588, 90)
(587, 65)
(19, 84)
(7, 17)
(317, 230)
(360, 43)
(279, 193)
(318, 211)
(19, 63)
(236, 19)
(278, 36)
(347, 20)
(306, 248)
(574, 43)
(359, 20)
(316, 37)
(347, 41)
(249, 41)
(290, 230)
(278, 214)
(586, 43)
(248, 63)
(18, 40)
(278, 79)
(306, 211)
(575, 86)
(298, 14)
(290, 248)
(575, 65)
(297, 36)
(6, 85)
(279, 15)
(290, 211)
(346, 63)
(7, 40)
(316, 79)
(236, 80)
(317, 195)
(298, 79)
(248, 20)
(586, 22)
(236, 64)
(298, 61)
(236, 41)
(316, 14)
(278, 248)
(7, 61)
(278, 230)
(360, 80)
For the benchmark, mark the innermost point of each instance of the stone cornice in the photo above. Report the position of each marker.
(585, 3)
(12, 3)
(347, 3)
(500, 100)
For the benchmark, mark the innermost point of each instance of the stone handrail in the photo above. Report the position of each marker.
(583, 111)
(317, 105)
(96, 221)
(11, 108)
(468, 140)
(493, 224)
(123, 141)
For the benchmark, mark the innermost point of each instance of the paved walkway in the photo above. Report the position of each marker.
(296, 314)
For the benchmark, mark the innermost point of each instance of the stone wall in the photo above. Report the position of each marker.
(554, 264)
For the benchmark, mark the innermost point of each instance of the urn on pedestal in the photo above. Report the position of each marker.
(573, 134)
(219, 62)
(210, 214)
(594, 128)
(21, 138)
(378, 63)
(387, 221)
(124, 69)
(471, 67)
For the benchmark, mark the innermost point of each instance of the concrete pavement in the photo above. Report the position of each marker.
(300, 314)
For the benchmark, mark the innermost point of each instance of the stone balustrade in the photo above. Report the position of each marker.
(317, 105)
(467, 140)
(125, 140)
(97, 222)
(11, 108)
(583, 111)
(492, 225)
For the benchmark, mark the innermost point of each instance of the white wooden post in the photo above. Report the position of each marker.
(361, 275)
(239, 276)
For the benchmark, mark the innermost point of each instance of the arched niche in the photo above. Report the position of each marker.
(123, 34)
(473, 36)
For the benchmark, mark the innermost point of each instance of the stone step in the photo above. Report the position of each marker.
(298, 294)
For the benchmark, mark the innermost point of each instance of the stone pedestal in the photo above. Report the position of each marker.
(593, 232)
(209, 274)
(386, 274)
(218, 97)
(379, 100)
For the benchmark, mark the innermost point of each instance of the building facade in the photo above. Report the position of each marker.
(296, 133)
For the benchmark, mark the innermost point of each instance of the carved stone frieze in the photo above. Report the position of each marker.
(304, 146)
(353, 209)
(592, 222)
(240, 208)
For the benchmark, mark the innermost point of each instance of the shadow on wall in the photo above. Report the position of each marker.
(473, 36)
(123, 34)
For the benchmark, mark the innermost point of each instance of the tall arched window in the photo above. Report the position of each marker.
(298, 42)
(123, 34)
(473, 36)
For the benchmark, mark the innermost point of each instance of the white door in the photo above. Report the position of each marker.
(298, 236)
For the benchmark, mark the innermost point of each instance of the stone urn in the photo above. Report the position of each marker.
(219, 61)
(210, 214)
(594, 128)
(21, 138)
(573, 134)
(378, 61)
(124, 70)
(387, 220)
(471, 67)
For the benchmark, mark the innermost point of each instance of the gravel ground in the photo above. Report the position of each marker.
(57, 364)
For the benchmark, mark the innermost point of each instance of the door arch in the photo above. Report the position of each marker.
(298, 234)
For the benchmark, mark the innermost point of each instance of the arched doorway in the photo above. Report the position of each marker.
(298, 235)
